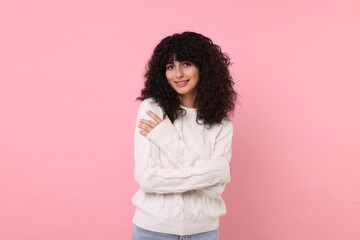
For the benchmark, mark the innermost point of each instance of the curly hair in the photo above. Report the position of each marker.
(215, 98)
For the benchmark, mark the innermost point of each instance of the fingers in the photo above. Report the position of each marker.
(154, 116)
(147, 125)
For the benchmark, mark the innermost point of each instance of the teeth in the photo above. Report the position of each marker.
(184, 81)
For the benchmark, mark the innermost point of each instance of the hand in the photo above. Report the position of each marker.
(147, 125)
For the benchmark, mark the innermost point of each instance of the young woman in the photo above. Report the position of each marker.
(183, 140)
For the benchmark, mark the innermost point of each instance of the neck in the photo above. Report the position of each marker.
(188, 100)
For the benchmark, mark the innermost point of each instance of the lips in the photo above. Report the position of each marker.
(182, 83)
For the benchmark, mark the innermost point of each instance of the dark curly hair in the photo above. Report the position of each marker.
(215, 98)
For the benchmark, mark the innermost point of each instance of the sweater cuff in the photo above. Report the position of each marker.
(162, 134)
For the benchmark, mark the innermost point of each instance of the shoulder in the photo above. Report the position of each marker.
(152, 105)
(225, 128)
(149, 102)
(226, 123)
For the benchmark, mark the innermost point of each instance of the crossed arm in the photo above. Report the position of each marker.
(188, 171)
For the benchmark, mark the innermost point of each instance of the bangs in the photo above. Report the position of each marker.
(182, 49)
(172, 58)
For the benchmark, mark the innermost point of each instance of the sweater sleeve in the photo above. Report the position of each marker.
(222, 148)
(152, 177)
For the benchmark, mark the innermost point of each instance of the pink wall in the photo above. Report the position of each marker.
(69, 74)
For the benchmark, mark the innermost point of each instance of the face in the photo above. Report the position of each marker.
(183, 76)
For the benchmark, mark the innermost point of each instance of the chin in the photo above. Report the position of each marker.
(182, 92)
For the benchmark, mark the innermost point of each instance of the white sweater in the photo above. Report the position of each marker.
(182, 169)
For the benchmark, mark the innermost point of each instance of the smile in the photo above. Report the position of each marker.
(181, 83)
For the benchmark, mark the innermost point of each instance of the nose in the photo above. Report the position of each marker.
(179, 72)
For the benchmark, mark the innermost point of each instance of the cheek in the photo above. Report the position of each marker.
(195, 72)
(197, 81)
(168, 76)
(196, 76)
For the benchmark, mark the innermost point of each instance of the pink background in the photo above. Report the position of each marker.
(69, 74)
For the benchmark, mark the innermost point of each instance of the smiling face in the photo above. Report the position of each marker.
(183, 76)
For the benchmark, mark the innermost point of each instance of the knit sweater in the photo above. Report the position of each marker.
(182, 169)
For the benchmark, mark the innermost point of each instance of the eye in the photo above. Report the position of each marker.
(187, 64)
(169, 67)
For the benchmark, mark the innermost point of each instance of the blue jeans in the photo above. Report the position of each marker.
(142, 234)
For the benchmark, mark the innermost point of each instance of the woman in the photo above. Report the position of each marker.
(183, 140)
